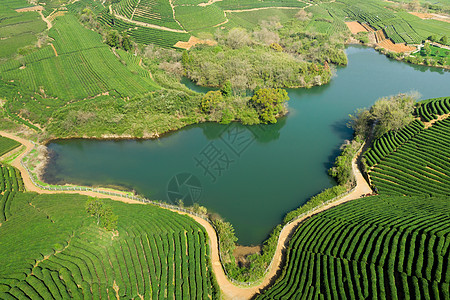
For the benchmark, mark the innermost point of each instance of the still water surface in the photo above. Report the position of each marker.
(251, 176)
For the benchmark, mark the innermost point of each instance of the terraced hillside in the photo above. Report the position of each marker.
(63, 253)
(415, 160)
(381, 247)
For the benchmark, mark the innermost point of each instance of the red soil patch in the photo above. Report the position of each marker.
(194, 41)
(355, 27)
(399, 48)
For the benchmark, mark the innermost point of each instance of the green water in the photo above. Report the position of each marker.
(257, 174)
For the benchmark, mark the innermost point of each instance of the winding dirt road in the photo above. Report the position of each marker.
(230, 291)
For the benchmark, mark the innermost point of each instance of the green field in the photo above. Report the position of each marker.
(147, 11)
(7, 145)
(250, 19)
(195, 17)
(85, 67)
(425, 28)
(379, 248)
(62, 253)
(18, 30)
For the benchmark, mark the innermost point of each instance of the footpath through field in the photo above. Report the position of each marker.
(229, 290)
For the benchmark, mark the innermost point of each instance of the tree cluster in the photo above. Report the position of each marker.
(114, 39)
(269, 103)
(389, 113)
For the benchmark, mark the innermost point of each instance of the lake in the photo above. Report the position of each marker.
(251, 176)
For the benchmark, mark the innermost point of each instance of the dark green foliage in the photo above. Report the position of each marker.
(113, 38)
(362, 249)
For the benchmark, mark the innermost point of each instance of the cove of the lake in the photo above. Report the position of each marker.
(251, 176)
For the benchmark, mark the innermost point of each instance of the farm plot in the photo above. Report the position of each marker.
(197, 17)
(378, 247)
(155, 254)
(84, 67)
(420, 166)
(156, 12)
(18, 30)
(144, 35)
(10, 184)
(7, 145)
(414, 160)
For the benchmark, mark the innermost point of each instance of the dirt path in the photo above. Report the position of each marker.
(262, 8)
(54, 49)
(49, 24)
(208, 3)
(230, 291)
(148, 25)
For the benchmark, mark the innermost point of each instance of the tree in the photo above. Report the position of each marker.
(94, 207)
(427, 49)
(227, 89)
(360, 122)
(102, 212)
(237, 38)
(393, 113)
(113, 38)
(109, 219)
(210, 101)
(126, 43)
(444, 40)
(269, 103)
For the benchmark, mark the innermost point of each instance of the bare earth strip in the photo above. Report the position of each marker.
(194, 41)
(229, 290)
(437, 17)
(54, 49)
(399, 48)
(261, 8)
(32, 8)
(355, 27)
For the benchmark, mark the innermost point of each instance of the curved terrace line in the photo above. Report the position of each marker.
(229, 289)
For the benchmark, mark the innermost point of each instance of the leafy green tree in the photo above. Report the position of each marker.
(210, 101)
(427, 49)
(113, 38)
(393, 113)
(94, 207)
(185, 58)
(269, 103)
(227, 89)
(104, 214)
(360, 122)
(109, 219)
(444, 40)
(126, 43)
